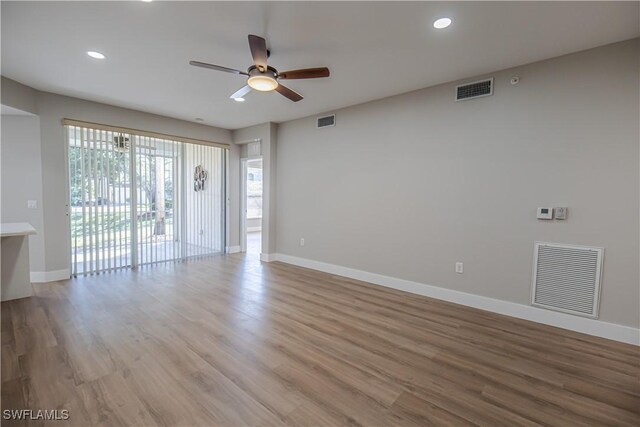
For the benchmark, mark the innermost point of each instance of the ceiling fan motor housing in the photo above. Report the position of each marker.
(254, 71)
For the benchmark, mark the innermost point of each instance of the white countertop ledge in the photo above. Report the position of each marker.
(8, 229)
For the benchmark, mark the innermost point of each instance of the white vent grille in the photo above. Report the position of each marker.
(567, 278)
(474, 90)
(326, 121)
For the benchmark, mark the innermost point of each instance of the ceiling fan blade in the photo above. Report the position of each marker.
(307, 73)
(258, 47)
(285, 91)
(216, 67)
(241, 92)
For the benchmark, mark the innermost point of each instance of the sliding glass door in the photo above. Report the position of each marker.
(100, 204)
(137, 200)
(203, 200)
(156, 171)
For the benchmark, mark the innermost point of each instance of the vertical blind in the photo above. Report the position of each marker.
(142, 199)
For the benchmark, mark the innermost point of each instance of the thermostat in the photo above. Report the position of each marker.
(545, 213)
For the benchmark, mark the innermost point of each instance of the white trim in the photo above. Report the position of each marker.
(584, 325)
(270, 257)
(50, 276)
(254, 229)
(233, 249)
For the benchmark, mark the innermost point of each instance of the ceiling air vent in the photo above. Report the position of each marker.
(326, 121)
(567, 278)
(474, 90)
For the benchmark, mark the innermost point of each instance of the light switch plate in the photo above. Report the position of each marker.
(560, 212)
(32, 204)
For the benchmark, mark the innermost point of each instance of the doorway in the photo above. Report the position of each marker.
(137, 200)
(251, 224)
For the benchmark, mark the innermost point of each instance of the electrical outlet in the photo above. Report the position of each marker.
(302, 241)
(459, 267)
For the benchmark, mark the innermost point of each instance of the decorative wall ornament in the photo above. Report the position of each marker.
(199, 178)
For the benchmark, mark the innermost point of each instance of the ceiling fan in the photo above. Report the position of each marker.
(263, 77)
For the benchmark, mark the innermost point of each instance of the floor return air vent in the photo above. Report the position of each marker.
(567, 278)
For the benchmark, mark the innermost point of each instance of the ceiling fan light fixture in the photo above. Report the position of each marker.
(263, 82)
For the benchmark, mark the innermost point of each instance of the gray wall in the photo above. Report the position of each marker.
(233, 197)
(19, 96)
(408, 185)
(22, 180)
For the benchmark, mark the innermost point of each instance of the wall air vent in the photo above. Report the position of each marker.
(567, 278)
(326, 121)
(474, 90)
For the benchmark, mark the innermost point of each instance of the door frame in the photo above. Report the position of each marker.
(243, 199)
(67, 176)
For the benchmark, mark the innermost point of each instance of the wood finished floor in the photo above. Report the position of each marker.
(229, 341)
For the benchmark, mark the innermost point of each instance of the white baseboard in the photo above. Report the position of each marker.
(252, 229)
(584, 325)
(268, 257)
(233, 249)
(50, 276)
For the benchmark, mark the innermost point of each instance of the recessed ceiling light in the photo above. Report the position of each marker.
(147, 1)
(441, 23)
(96, 55)
(238, 99)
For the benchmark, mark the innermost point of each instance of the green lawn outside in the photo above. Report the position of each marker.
(116, 228)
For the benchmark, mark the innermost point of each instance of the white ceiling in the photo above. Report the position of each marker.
(374, 49)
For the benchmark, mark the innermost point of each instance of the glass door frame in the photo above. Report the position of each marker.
(182, 186)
